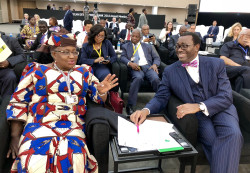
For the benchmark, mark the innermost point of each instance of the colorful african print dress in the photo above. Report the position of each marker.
(53, 140)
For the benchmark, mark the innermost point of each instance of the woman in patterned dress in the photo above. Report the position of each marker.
(46, 112)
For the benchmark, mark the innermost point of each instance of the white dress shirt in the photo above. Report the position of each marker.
(143, 60)
(80, 39)
(194, 74)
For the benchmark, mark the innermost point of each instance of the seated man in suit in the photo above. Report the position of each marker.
(212, 32)
(171, 45)
(125, 34)
(148, 37)
(202, 84)
(142, 62)
(114, 26)
(8, 78)
(108, 30)
(192, 29)
(237, 58)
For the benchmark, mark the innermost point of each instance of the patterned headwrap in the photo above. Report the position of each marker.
(58, 39)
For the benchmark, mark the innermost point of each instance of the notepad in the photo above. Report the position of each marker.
(153, 135)
(5, 52)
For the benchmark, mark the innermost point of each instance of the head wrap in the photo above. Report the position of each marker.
(58, 39)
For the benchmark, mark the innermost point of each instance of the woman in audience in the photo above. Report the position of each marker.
(233, 32)
(130, 17)
(37, 17)
(98, 52)
(30, 31)
(53, 25)
(166, 32)
(47, 112)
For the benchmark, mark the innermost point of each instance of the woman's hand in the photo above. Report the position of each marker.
(167, 32)
(108, 83)
(98, 60)
(13, 150)
(105, 62)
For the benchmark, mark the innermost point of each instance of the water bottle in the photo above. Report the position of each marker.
(118, 46)
(11, 35)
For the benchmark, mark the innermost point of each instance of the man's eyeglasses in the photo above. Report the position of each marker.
(183, 46)
(66, 53)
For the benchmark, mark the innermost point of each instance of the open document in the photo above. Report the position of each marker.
(5, 52)
(153, 135)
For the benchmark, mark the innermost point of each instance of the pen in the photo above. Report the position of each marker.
(137, 128)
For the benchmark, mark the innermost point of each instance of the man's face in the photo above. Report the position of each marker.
(145, 12)
(103, 23)
(114, 19)
(192, 28)
(42, 28)
(136, 37)
(214, 23)
(26, 16)
(129, 26)
(88, 27)
(244, 39)
(182, 30)
(145, 30)
(185, 49)
(66, 7)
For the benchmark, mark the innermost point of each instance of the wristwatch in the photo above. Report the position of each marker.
(202, 107)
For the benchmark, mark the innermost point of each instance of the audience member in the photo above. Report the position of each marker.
(8, 78)
(108, 30)
(68, 18)
(83, 36)
(48, 7)
(149, 38)
(37, 17)
(201, 83)
(53, 25)
(98, 52)
(53, 7)
(233, 32)
(125, 34)
(106, 23)
(142, 62)
(25, 20)
(186, 24)
(143, 19)
(47, 129)
(212, 32)
(166, 32)
(29, 32)
(86, 11)
(95, 20)
(119, 20)
(172, 43)
(114, 26)
(130, 17)
(237, 57)
(192, 29)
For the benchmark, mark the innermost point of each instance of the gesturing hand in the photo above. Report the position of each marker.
(188, 108)
(108, 83)
(155, 68)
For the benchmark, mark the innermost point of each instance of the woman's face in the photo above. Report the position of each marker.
(170, 25)
(32, 21)
(36, 17)
(236, 31)
(99, 37)
(51, 22)
(65, 57)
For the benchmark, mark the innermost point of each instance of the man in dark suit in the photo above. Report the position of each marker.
(171, 45)
(68, 18)
(114, 26)
(237, 58)
(125, 34)
(108, 30)
(142, 62)
(212, 32)
(8, 78)
(192, 29)
(202, 84)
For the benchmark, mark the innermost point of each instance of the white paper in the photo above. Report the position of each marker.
(5, 52)
(152, 135)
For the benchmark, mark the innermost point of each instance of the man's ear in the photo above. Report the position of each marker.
(197, 47)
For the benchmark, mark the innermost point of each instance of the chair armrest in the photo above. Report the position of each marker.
(18, 69)
(162, 67)
(188, 125)
(123, 78)
(116, 69)
(242, 105)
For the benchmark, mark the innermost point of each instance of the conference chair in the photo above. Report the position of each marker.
(189, 127)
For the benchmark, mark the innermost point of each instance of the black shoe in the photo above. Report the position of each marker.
(129, 109)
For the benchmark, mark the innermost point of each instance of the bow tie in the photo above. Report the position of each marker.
(191, 64)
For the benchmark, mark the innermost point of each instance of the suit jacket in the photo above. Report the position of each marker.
(123, 34)
(17, 55)
(38, 40)
(150, 54)
(109, 34)
(87, 49)
(217, 88)
(111, 25)
(67, 21)
(142, 20)
(215, 31)
(172, 42)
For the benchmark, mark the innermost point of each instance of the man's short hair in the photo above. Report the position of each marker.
(194, 36)
(186, 20)
(42, 22)
(193, 24)
(144, 9)
(86, 22)
(68, 5)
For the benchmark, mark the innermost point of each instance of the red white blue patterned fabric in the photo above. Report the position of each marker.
(53, 140)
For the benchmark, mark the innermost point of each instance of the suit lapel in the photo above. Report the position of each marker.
(203, 70)
(130, 50)
(183, 75)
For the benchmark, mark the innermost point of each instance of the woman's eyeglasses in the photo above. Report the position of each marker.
(66, 53)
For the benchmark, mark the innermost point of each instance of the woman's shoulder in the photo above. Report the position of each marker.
(83, 68)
